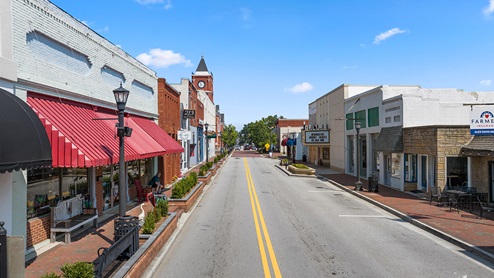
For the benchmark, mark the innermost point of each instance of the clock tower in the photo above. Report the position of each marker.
(203, 79)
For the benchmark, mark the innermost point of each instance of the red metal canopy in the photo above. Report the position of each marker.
(158, 134)
(82, 135)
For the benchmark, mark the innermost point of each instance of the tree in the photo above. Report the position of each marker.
(229, 135)
(260, 132)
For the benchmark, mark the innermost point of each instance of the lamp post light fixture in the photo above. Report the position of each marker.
(206, 125)
(121, 96)
(358, 184)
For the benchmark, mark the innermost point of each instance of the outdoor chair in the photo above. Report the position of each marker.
(437, 195)
(141, 192)
(484, 206)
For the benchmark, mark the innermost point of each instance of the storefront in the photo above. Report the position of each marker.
(24, 145)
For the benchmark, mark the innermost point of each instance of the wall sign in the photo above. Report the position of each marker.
(481, 122)
(189, 114)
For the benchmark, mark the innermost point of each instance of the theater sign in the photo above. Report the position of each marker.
(481, 122)
(316, 137)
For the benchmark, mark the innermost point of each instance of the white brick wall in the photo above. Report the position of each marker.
(42, 18)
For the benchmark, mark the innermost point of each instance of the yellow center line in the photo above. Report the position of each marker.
(258, 216)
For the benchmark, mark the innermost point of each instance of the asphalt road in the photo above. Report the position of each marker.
(256, 221)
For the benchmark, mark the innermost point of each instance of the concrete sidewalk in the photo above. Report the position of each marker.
(462, 228)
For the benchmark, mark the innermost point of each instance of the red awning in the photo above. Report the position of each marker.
(80, 136)
(158, 134)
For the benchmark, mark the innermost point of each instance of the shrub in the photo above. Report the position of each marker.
(201, 172)
(209, 165)
(162, 205)
(301, 166)
(157, 214)
(183, 187)
(51, 275)
(149, 223)
(78, 270)
(216, 159)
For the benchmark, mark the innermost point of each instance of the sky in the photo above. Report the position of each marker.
(274, 57)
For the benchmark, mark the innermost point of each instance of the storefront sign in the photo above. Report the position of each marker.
(481, 122)
(317, 137)
(189, 114)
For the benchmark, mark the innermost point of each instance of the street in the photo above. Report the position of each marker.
(255, 221)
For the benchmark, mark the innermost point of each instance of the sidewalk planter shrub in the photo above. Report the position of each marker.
(301, 169)
(78, 270)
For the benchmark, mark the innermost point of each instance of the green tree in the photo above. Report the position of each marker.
(229, 136)
(260, 132)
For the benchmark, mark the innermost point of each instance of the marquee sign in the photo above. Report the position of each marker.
(316, 137)
(481, 122)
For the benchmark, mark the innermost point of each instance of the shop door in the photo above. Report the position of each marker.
(387, 169)
(423, 173)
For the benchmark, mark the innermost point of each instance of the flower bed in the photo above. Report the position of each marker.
(301, 171)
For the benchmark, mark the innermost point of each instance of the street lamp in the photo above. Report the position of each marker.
(206, 125)
(121, 96)
(358, 184)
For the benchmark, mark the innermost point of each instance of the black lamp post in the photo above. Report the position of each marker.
(358, 184)
(121, 96)
(206, 125)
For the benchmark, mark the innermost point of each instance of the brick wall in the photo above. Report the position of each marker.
(45, 38)
(38, 230)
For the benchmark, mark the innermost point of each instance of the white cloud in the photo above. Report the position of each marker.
(301, 88)
(245, 14)
(486, 82)
(162, 58)
(489, 9)
(386, 35)
(104, 29)
(350, 67)
(168, 4)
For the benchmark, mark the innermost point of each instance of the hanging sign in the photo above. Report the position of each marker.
(189, 114)
(481, 122)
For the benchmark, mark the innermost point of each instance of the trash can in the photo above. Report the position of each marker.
(304, 158)
(373, 185)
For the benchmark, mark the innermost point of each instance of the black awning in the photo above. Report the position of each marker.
(24, 143)
(390, 140)
(482, 145)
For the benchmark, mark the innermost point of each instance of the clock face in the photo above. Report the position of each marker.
(201, 84)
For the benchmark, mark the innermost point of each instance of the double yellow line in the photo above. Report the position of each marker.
(259, 219)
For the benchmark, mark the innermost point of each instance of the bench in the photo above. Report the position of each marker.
(69, 216)
(127, 246)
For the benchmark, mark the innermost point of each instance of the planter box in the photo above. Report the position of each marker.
(206, 178)
(301, 171)
(140, 261)
(188, 201)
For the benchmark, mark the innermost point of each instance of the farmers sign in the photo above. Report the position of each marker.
(481, 122)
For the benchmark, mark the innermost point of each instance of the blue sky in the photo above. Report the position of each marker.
(275, 57)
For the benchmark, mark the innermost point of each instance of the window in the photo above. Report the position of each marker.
(325, 153)
(395, 165)
(373, 115)
(360, 116)
(387, 120)
(410, 168)
(457, 171)
(349, 121)
(396, 118)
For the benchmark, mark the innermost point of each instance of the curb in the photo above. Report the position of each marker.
(467, 246)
